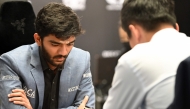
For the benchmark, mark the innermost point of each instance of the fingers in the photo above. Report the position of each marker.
(17, 93)
(19, 102)
(18, 96)
(83, 104)
(85, 100)
(16, 99)
(18, 90)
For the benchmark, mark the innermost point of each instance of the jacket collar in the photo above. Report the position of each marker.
(37, 72)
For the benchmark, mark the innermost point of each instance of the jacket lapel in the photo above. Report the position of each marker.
(37, 73)
(65, 78)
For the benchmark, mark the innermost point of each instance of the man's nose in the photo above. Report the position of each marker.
(63, 50)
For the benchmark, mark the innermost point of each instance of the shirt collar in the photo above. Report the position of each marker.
(164, 34)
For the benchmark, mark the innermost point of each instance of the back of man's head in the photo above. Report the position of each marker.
(147, 13)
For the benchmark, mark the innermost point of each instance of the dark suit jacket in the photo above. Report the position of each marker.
(182, 86)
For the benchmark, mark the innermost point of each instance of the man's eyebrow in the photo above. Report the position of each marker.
(54, 42)
(61, 42)
(72, 41)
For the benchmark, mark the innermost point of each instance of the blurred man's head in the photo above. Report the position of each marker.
(56, 28)
(123, 39)
(142, 18)
(122, 34)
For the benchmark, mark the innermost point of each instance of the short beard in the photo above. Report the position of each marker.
(48, 58)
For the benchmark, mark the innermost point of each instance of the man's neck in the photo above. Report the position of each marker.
(150, 34)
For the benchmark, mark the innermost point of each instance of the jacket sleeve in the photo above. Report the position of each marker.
(9, 80)
(126, 91)
(85, 88)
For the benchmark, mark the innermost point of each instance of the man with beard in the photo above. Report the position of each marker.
(50, 73)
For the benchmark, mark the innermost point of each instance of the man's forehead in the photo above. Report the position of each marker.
(66, 41)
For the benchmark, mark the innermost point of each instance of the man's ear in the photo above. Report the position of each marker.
(134, 33)
(177, 26)
(37, 39)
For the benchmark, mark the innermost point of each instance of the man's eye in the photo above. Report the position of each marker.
(70, 44)
(53, 44)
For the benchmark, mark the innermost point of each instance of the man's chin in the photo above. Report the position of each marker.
(58, 63)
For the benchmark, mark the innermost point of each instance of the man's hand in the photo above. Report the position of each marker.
(83, 104)
(18, 97)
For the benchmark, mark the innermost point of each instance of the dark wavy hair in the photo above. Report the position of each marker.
(147, 13)
(59, 20)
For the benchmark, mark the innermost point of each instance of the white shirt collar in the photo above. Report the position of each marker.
(164, 34)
